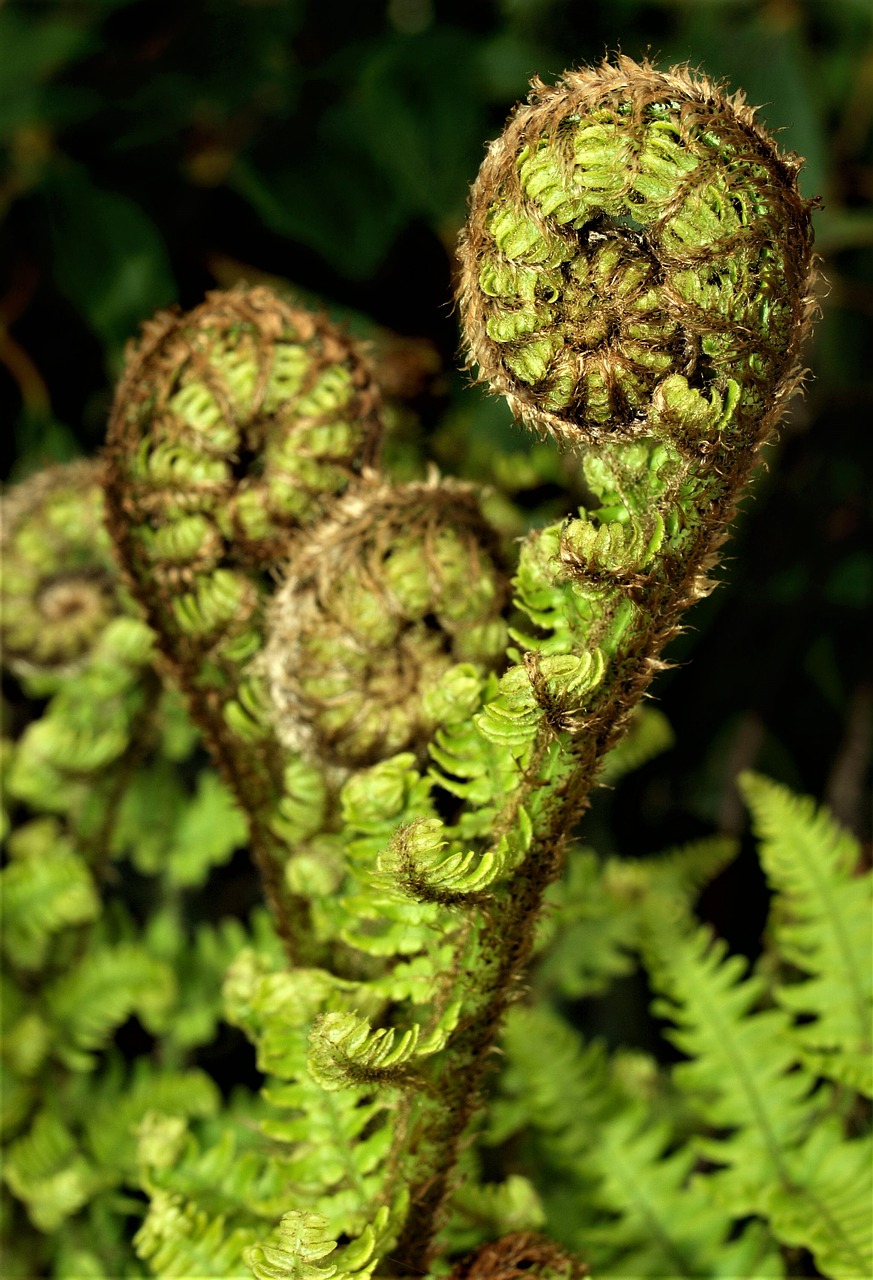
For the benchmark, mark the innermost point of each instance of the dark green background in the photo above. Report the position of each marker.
(151, 150)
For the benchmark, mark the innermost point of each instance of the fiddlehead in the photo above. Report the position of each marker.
(637, 262)
(232, 427)
(636, 274)
(60, 584)
(377, 602)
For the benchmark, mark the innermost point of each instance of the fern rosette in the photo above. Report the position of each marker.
(378, 601)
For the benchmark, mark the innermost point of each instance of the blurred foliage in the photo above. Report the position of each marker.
(151, 150)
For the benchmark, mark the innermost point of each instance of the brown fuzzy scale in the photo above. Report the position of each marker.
(699, 107)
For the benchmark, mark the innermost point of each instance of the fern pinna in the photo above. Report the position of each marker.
(410, 718)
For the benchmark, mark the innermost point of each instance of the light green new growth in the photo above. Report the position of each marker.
(406, 748)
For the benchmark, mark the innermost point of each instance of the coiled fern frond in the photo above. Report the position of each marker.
(637, 261)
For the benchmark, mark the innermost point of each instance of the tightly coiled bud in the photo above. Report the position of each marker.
(234, 424)
(637, 261)
(378, 601)
(233, 427)
(59, 580)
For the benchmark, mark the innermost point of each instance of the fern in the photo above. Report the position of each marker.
(748, 1071)
(46, 887)
(823, 927)
(289, 651)
(617, 1175)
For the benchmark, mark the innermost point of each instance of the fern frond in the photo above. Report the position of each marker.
(304, 1239)
(588, 932)
(200, 963)
(45, 888)
(828, 1208)
(466, 763)
(107, 985)
(48, 1172)
(180, 1240)
(344, 1049)
(112, 1114)
(597, 911)
(414, 864)
(743, 1072)
(166, 830)
(617, 1184)
(276, 1009)
(822, 922)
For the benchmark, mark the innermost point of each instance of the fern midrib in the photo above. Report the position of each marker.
(736, 1061)
(648, 1213)
(779, 1158)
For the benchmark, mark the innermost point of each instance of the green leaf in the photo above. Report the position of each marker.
(827, 1210)
(46, 1170)
(41, 896)
(822, 918)
(108, 985)
(211, 827)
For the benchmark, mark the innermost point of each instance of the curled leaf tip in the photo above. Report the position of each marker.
(637, 261)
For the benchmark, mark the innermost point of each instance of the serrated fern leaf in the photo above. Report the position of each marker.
(829, 1209)
(822, 920)
(305, 1239)
(42, 895)
(742, 1072)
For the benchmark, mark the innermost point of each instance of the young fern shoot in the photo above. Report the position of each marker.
(636, 280)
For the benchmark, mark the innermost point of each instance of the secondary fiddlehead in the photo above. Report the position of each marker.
(232, 427)
(377, 602)
(60, 585)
